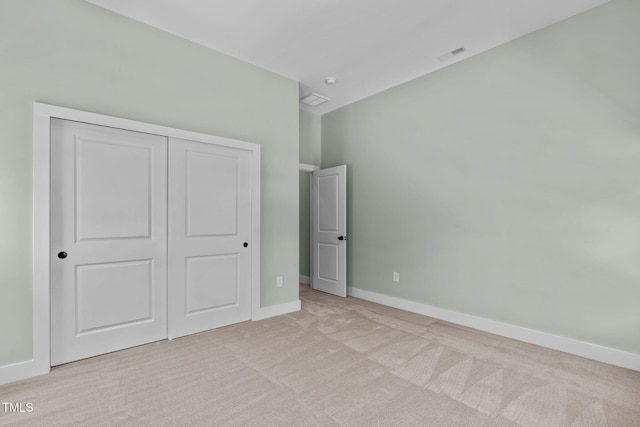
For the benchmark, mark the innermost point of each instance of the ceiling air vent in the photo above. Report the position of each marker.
(313, 99)
(447, 56)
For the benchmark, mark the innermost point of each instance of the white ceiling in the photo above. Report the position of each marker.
(369, 45)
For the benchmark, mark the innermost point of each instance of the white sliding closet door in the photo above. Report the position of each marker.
(108, 239)
(151, 237)
(209, 236)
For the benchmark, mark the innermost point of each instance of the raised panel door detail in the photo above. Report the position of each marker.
(328, 261)
(212, 195)
(113, 295)
(211, 282)
(113, 190)
(328, 194)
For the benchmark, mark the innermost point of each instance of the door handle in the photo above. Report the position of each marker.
(62, 255)
(245, 244)
(342, 237)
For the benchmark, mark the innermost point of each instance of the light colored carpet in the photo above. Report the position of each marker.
(336, 362)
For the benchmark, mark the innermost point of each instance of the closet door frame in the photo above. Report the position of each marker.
(42, 115)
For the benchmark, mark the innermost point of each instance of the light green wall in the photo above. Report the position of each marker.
(507, 185)
(74, 54)
(310, 151)
(310, 138)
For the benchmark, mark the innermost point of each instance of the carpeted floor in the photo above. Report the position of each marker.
(335, 362)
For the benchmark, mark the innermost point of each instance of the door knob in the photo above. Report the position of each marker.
(245, 244)
(62, 255)
(342, 237)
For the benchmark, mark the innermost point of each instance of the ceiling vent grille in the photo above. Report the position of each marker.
(447, 56)
(313, 99)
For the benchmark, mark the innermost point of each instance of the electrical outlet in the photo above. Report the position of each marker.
(279, 281)
(396, 277)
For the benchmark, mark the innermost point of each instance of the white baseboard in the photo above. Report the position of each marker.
(277, 310)
(306, 280)
(20, 371)
(579, 348)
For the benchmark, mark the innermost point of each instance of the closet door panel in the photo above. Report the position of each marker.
(209, 236)
(108, 239)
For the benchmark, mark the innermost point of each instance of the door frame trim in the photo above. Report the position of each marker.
(308, 168)
(42, 115)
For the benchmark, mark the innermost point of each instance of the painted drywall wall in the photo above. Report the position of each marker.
(506, 185)
(310, 154)
(74, 54)
(310, 138)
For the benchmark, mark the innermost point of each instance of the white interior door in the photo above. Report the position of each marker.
(330, 230)
(108, 239)
(209, 236)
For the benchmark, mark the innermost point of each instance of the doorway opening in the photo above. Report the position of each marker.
(327, 228)
(305, 210)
